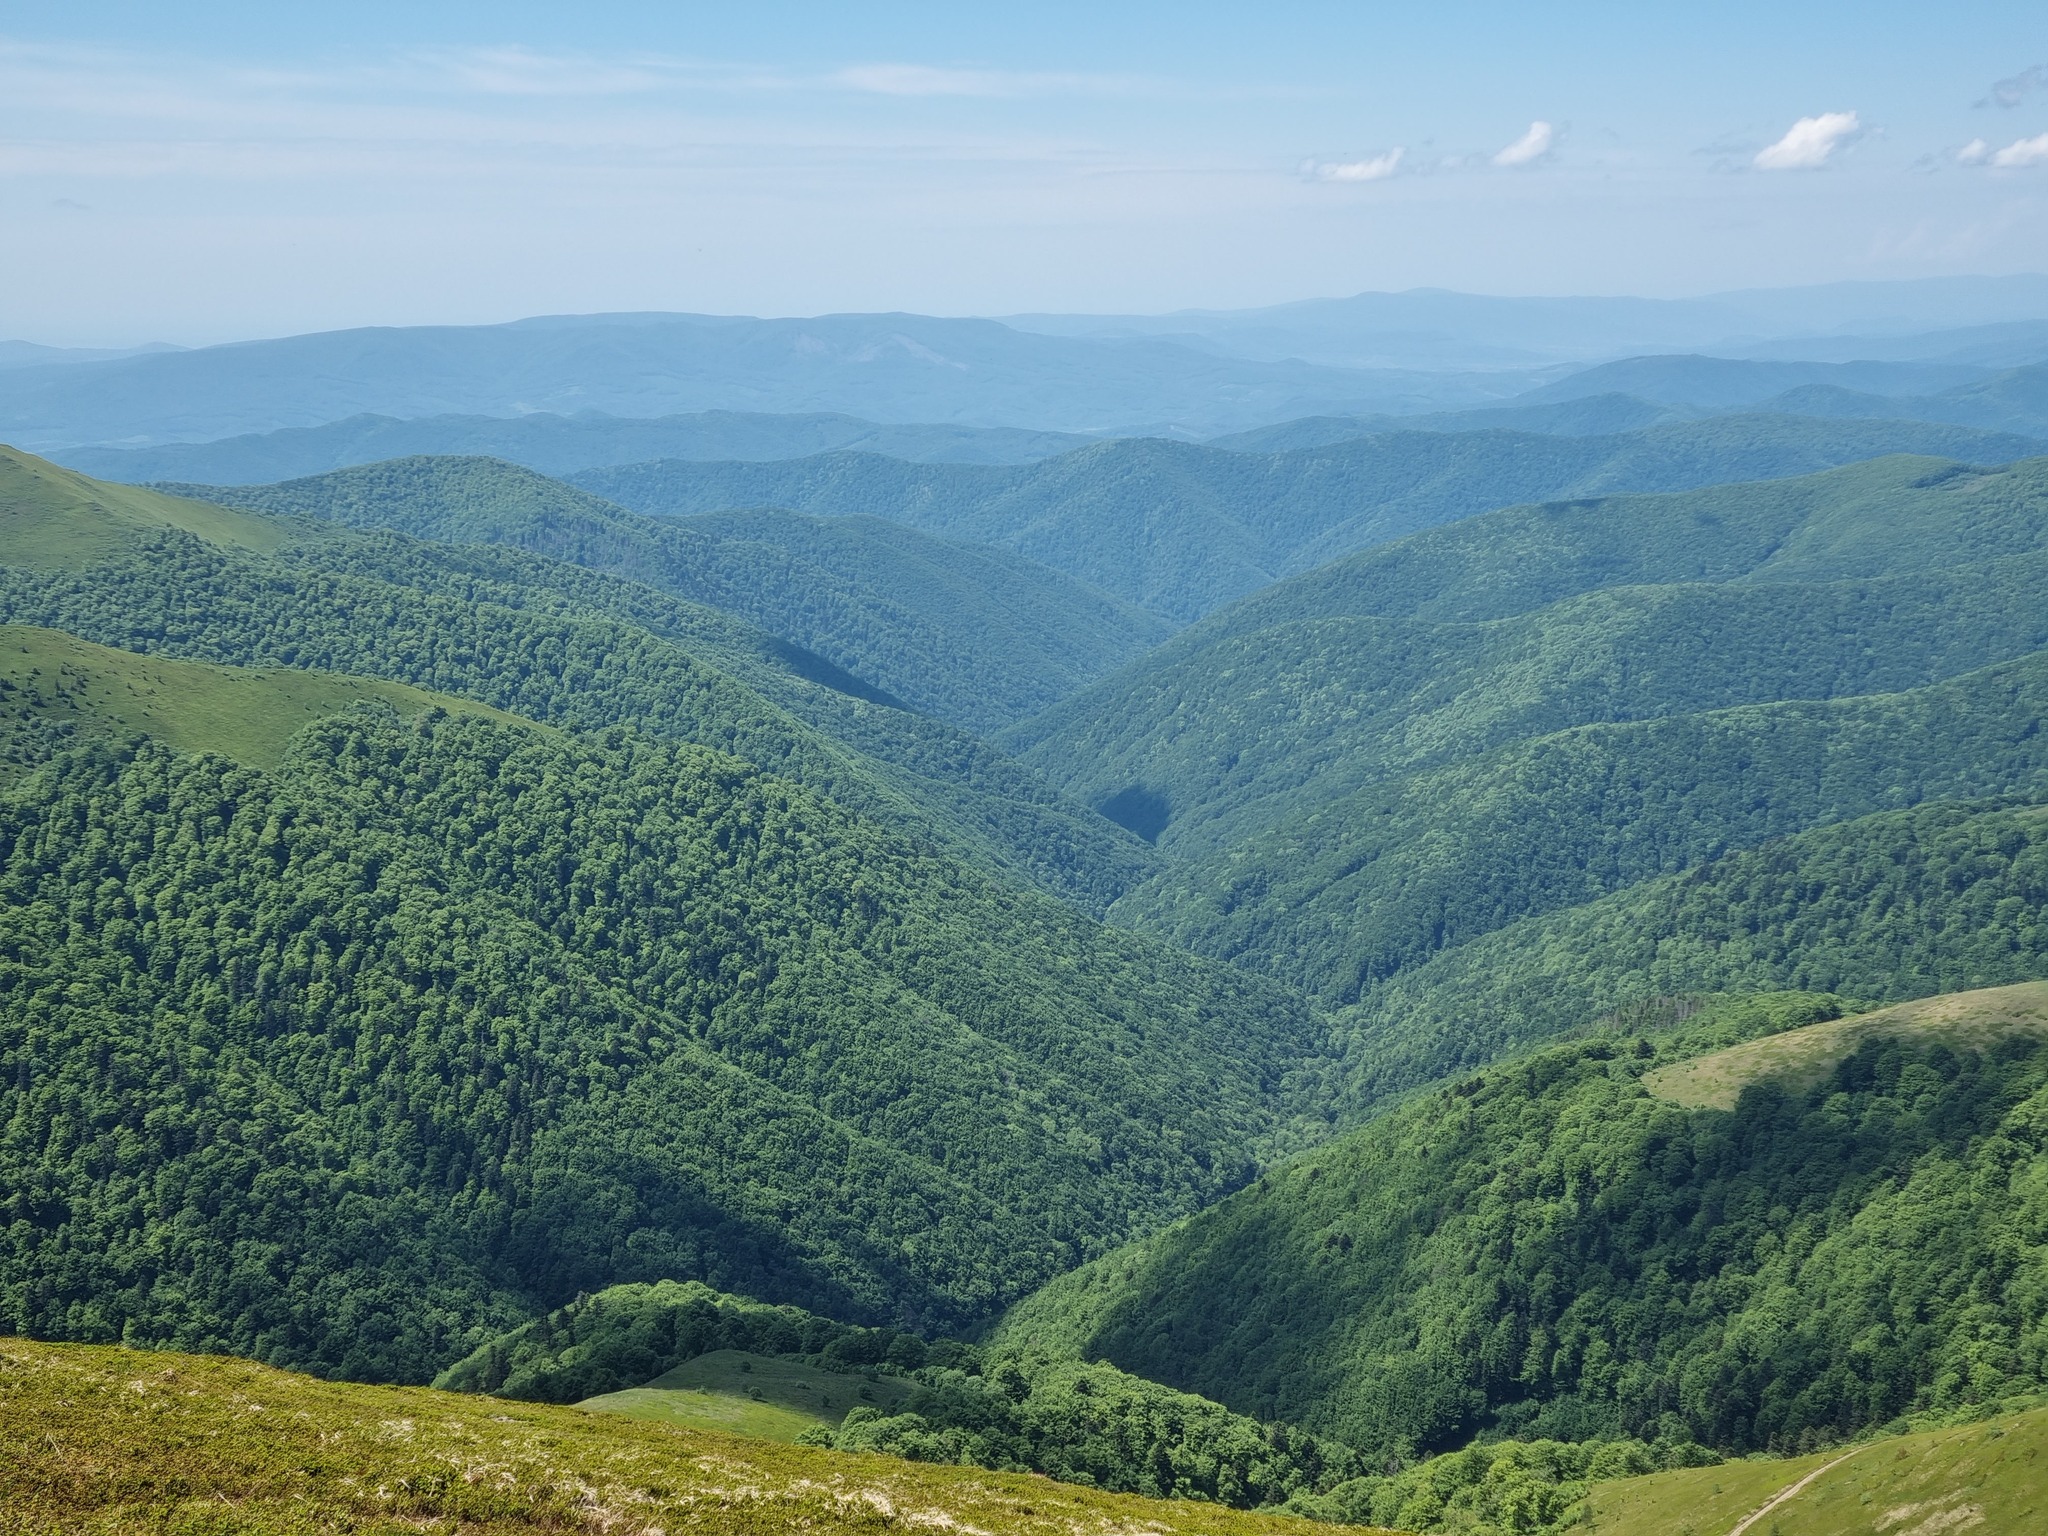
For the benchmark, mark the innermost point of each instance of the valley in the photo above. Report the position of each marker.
(647, 923)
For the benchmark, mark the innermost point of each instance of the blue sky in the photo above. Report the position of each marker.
(207, 172)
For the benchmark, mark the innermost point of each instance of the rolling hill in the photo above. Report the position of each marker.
(1183, 529)
(146, 572)
(976, 636)
(1902, 904)
(1731, 383)
(2015, 400)
(1552, 1248)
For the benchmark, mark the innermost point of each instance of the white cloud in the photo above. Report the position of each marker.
(1809, 143)
(1530, 147)
(2032, 151)
(1976, 152)
(1374, 168)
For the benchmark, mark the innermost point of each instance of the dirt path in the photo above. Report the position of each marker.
(1784, 1494)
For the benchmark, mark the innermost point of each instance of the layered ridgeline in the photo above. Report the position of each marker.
(346, 1044)
(557, 445)
(1757, 1229)
(1184, 529)
(1405, 751)
(147, 572)
(973, 635)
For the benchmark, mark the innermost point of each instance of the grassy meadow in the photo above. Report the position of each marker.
(116, 1441)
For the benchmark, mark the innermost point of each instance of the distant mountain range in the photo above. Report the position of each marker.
(1190, 375)
(1435, 328)
(902, 368)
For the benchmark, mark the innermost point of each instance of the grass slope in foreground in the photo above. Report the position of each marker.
(1989, 1477)
(114, 1441)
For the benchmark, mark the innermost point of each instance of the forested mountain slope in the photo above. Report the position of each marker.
(973, 635)
(1551, 1247)
(147, 572)
(557, 445)
(2015, 400)
(352, 1060)
(1183, 529)
(1898, 905)
(1345, 893)
(1429, 740)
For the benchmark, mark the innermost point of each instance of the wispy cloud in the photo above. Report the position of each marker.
(925, 80)
(1809, 143)
(1372, 168)
(1531, 147)
(2014, 89)
(2020, 152)
(1976, 152)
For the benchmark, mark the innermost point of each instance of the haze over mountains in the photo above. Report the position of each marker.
(1189, 375)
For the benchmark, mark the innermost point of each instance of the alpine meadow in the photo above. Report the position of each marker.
(750, 782)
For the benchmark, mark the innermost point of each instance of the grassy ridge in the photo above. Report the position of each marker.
(54, 687)
(117, 1441)
(1799, 1058)
(53, 517)
(1989, 1476)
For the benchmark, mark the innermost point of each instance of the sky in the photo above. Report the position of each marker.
(205, 172)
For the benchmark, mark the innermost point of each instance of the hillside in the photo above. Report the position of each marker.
(535, 636)
(1401, 751)
(126, 1441)
(1548, 1248)
(1976, 1476)
(1183, 529)
(438, 1021)
(1946, 896)
(685, 1353)
(1342, 893)
(57, 691)
(556, 445)
(975, 636)
(1729, 383)
(2014, 400)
